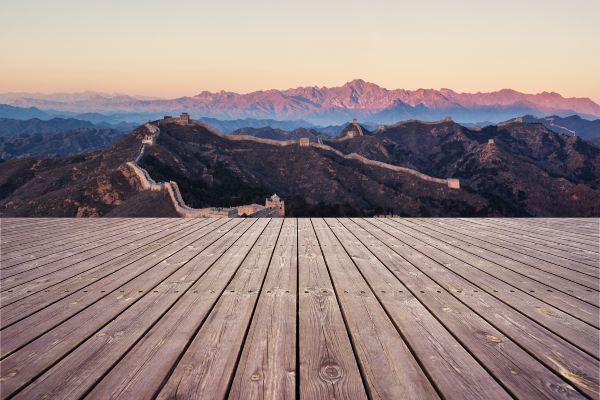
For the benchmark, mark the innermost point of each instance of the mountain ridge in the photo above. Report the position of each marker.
(512, 169)
(331, 105)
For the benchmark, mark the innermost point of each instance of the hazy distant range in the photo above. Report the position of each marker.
(304, 106)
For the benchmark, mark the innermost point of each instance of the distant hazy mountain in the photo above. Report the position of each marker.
(9, 127)
(55, 137)
(323, 106)
(279, 134)
(572, 125)
(7, 111)
(230, 126)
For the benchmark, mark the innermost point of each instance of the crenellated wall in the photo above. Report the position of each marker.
(147, 183)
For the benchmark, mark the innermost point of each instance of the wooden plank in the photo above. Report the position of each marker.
(77, 234)
(24, 304)
(328, 367)
(522, 375)
(536, 226)
(22, 226)
(504, 265)
(38, 356)
(544, 237)
(44, 253)
(33, 243)
(77, 272)
(113, 340)
(572, 225)
(534, 255)
(552, 318)
(10, 275)
(141, 373)
(159, 264)
(106, 251)
(388, 366)
(206, 367)
(267, 365)
(574, 365)
(454, 371)
(518, 239)
(528, 265)
(28, 236)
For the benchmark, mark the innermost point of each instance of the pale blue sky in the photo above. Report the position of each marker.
(173, 48)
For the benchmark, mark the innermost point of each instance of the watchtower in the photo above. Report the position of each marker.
(453, 183)
(304, 142)
(275, 202)
(184, 118)
(149, 140)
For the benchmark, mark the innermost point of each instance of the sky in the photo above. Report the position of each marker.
(180, 47)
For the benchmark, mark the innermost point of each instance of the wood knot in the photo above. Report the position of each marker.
(492, 338)
(11, 374)
(546, 311)
(255, 377)
(331, 373)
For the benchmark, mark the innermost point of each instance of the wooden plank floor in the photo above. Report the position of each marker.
(300, 308)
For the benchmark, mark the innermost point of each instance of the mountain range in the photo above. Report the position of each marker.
(324, 106)
(509, 169)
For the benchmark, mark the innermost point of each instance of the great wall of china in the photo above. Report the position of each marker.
(147, 183)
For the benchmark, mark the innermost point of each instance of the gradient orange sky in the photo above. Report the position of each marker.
(176, 48)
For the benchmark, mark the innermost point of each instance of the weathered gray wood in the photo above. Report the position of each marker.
(524, 241)
(552, 318)
(80, 238)
(70, 334)
(72, 247)
(518, 371)
(32, 241)
(267, 366)
(23, 304)
(547, 237)
(25, 225)
(30, 235)
(206, 369)
(528, 255)
(455, 372)
(113, 340)
(138, 277)
(212, 308)
(530, 333)
(46, 272)
(328, 368)
(564, 297)
(143, 370)
(388, 366)
(502, 264)
(528, 265)
(537, 226)
(11, 275)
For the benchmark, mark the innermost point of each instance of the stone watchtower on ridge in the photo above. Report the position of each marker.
(275, 203)
(184, 118)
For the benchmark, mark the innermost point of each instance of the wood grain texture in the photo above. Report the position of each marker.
(328, 367)
(299, 308)
(389, 367)
(267, 366)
